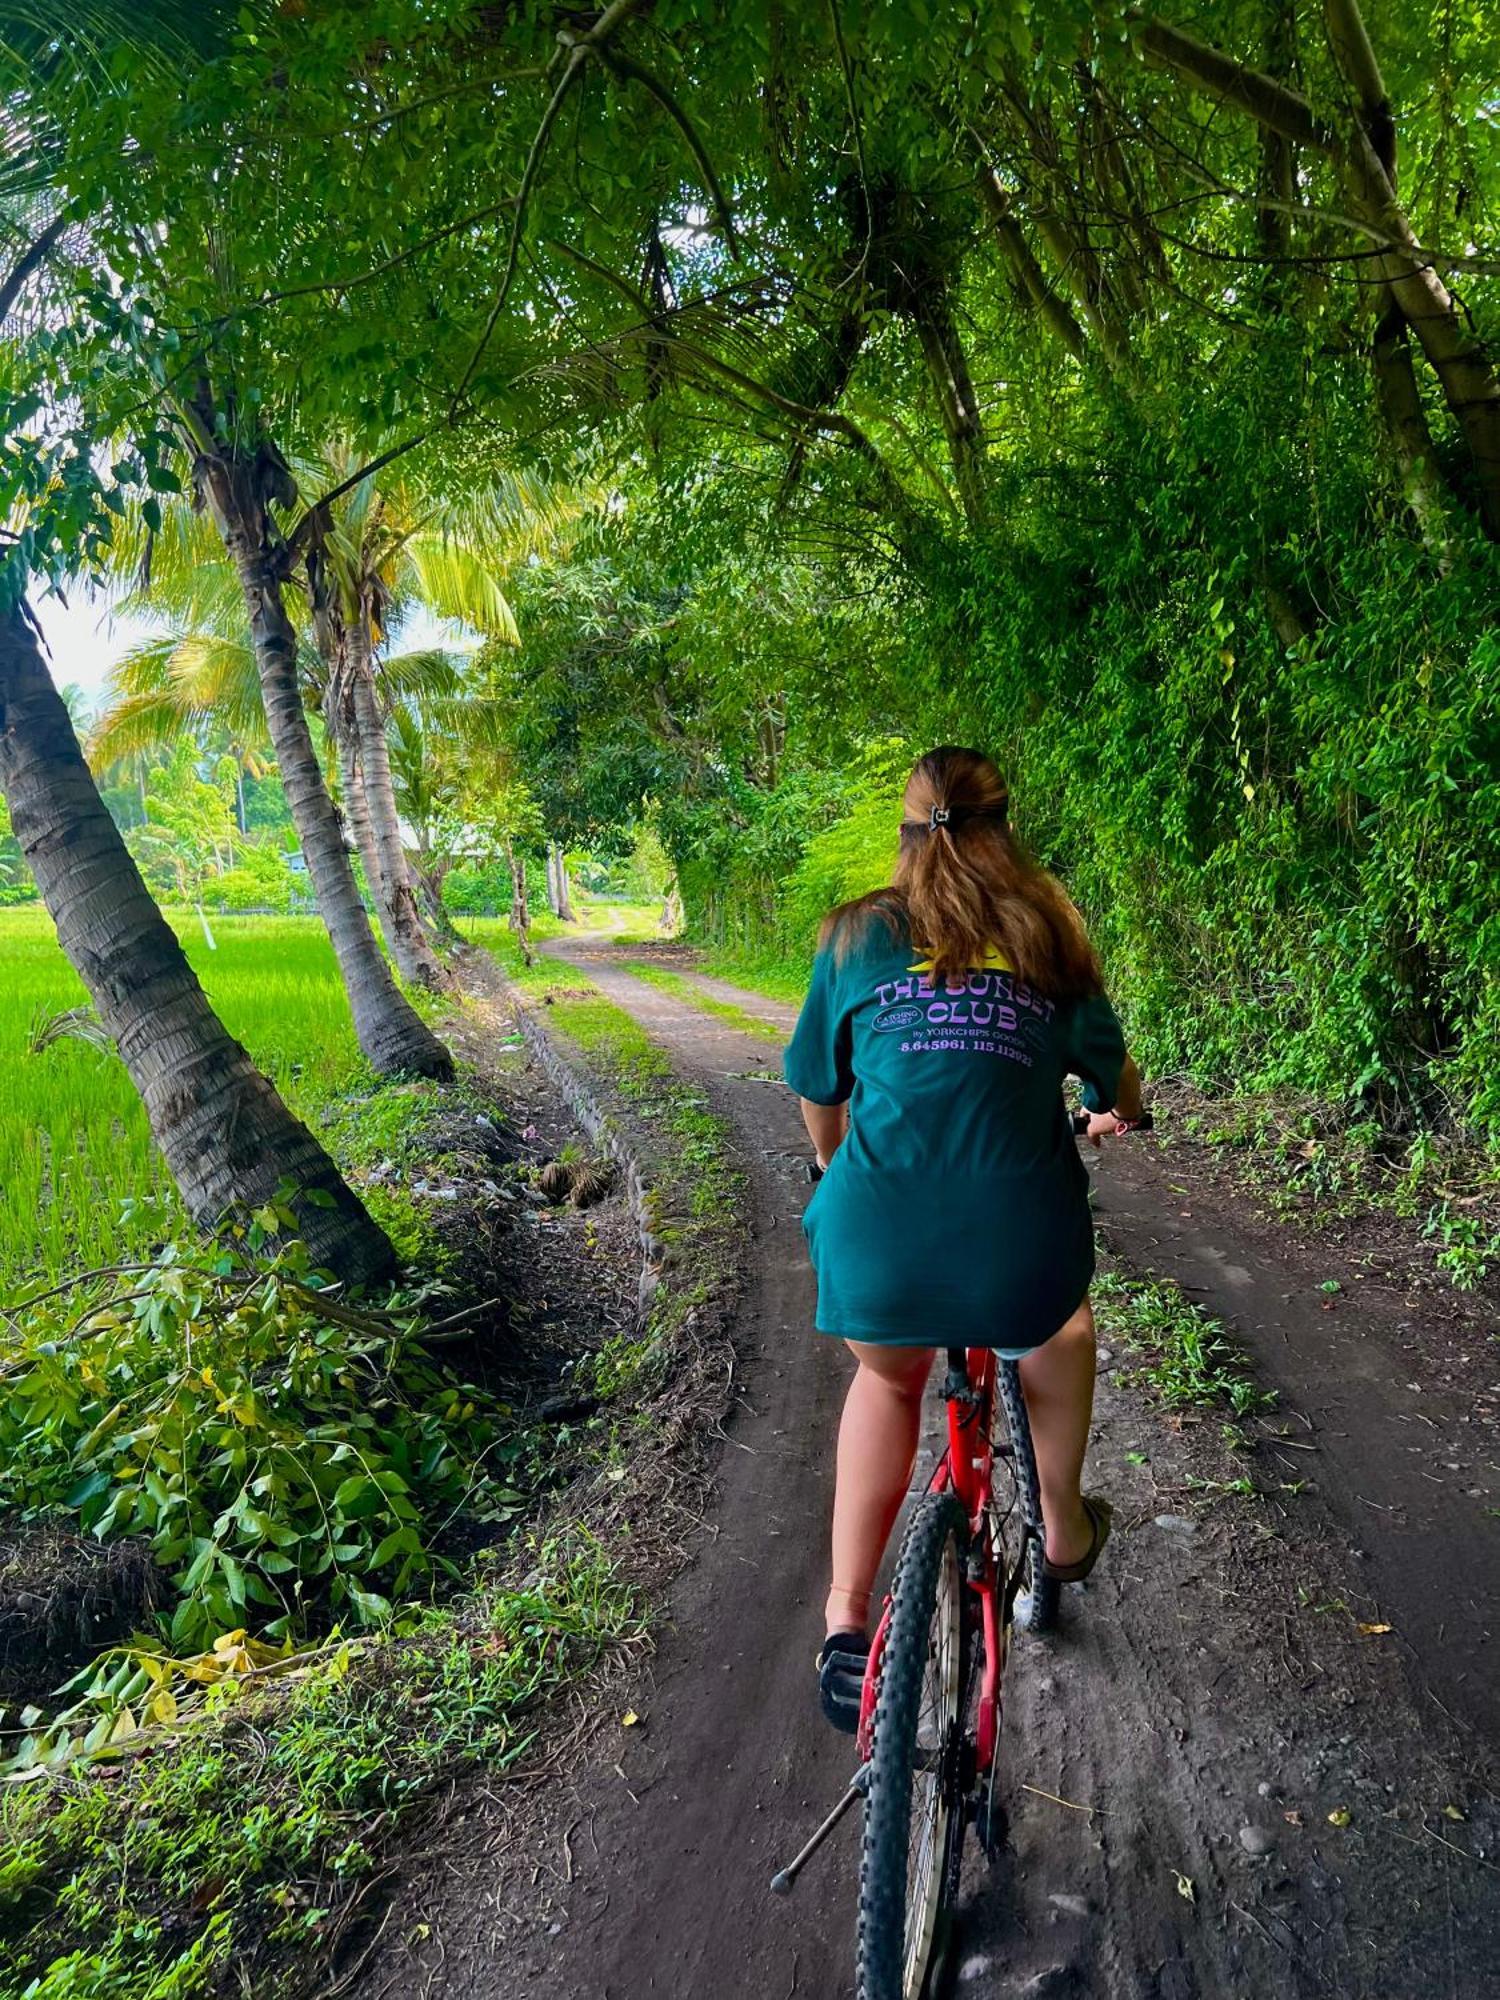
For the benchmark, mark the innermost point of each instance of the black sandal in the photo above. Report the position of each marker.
(841, 1677)
(1101, 1515)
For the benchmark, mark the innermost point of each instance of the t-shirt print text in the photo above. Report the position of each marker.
(982, 1013)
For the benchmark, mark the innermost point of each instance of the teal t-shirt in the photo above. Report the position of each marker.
(956, 1211)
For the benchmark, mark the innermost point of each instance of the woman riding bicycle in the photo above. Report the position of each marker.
(943, 1015)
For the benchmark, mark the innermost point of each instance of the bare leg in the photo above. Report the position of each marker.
(877, 1450)
(1058, 1381)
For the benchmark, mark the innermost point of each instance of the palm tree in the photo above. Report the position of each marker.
(228, 1139)
(240, 483)
(386, 547)
(203, 686)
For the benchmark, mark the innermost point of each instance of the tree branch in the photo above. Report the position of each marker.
(580, 48)
(1024, 266)
(1260, 96)
(28, 261)
(631, 71)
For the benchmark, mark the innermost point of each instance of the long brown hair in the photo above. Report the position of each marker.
(964, 883)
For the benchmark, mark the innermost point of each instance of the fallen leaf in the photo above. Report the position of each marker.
(1370, 1631)
(629, 1719)
(1339, 1816)
(1452, 1812)
(1185, 1887)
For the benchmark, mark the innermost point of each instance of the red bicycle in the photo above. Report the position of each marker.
(930, 1711)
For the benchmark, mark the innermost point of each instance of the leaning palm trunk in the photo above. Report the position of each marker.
(228, 1139)
(402, 920)
(390, 1031)
(356, 812)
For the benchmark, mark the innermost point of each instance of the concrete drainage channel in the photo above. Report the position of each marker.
(581, 1094)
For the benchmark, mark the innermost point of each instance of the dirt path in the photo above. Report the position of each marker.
(1208, 1704)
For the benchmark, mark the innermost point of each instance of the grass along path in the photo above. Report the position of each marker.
(682, 986)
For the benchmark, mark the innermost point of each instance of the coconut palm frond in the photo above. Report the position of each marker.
(519, 514)
(455, 581)
(155, 567)
(218, 675)
(144, 667)
(164, 32)
(420, 678)
(477, 722)
(137, 725)
(166, 688)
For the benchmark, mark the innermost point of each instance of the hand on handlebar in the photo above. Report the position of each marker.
(1104, 1125)
(1097, 1126)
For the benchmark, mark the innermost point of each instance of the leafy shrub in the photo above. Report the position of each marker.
(288, 1458)
(242, 1839)
(260, 880)
(483, 889)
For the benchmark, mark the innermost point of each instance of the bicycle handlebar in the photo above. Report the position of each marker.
(1079, 1122)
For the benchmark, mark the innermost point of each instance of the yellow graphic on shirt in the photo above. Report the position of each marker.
(994, 960)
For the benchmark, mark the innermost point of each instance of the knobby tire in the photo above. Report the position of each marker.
(928, 1612)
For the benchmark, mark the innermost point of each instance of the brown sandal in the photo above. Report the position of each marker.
(1101, 1515)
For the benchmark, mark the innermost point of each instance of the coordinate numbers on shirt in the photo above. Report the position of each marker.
(969, 1045)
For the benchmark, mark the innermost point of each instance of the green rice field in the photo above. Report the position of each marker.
(74, 1143)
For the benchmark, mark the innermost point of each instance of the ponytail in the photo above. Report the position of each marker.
(965, 885)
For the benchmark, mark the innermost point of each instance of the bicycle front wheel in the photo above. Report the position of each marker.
(914, 1812)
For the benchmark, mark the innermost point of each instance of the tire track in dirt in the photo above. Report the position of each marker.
(1194, 1690)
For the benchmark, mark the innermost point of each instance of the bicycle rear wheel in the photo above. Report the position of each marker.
(915, 1811)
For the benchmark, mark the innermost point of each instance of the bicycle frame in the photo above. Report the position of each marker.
(966, 1469)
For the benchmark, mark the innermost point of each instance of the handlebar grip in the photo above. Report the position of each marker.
(1080, 1122)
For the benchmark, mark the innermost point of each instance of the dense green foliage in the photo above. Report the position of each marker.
(1117, 398)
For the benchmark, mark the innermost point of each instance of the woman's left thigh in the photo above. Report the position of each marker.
(905, 1368)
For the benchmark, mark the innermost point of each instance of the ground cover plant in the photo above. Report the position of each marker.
(253, 1832)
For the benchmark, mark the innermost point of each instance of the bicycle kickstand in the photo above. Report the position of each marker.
(785, 1880)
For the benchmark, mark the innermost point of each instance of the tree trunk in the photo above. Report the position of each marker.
(1078, 267)
(356, 812)
(1025, 269)
(520, 913)
(391, 1033)
(557, 884)
(948, 367)
(429, 878)
(1396, 391)
(1400, 403)
(228, 1139)
(405, 932)
(1079, 270)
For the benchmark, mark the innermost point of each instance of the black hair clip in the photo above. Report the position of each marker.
(939, 816)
